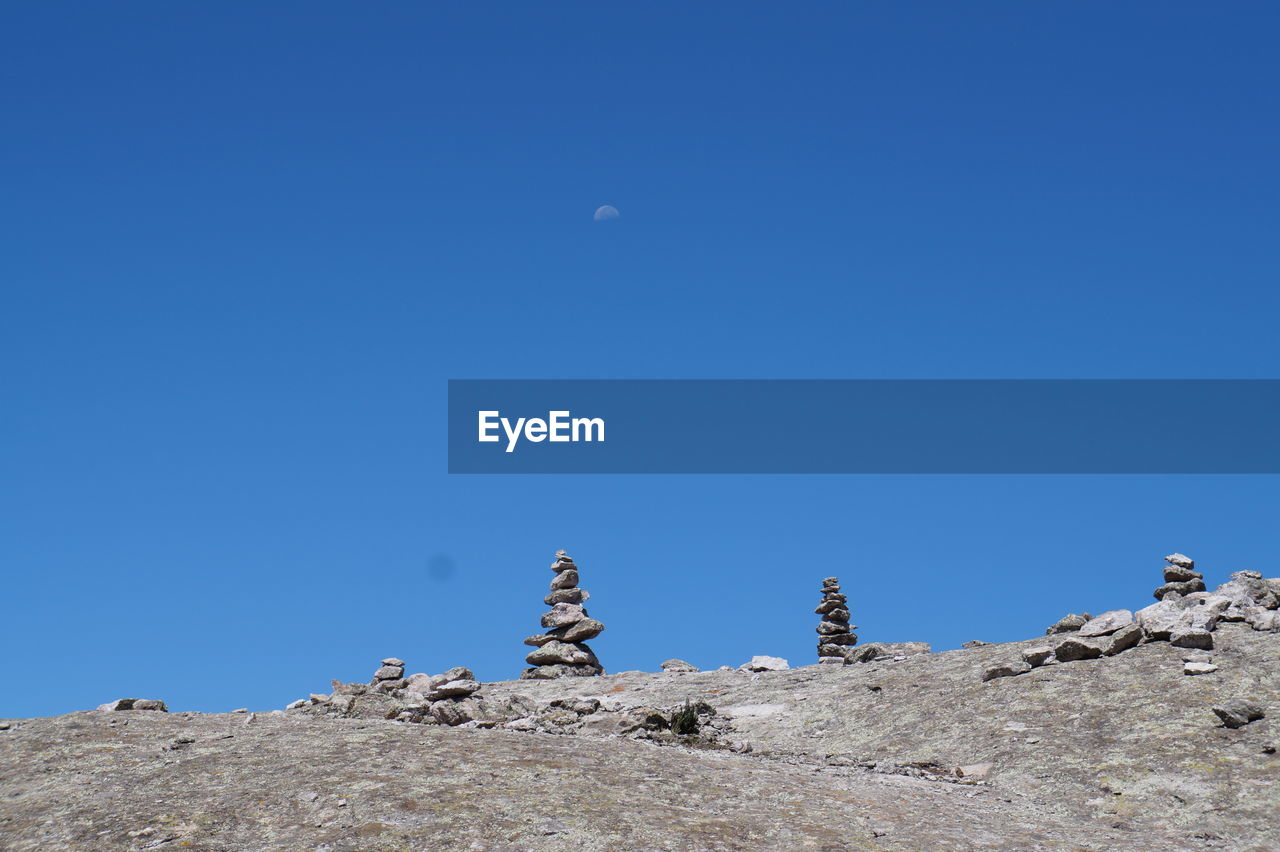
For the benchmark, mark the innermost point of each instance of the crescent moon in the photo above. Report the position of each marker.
(605, 211)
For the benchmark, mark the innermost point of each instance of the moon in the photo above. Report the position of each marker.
(605, 211)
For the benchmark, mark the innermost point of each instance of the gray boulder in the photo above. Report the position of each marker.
(1123, 639)
(1072, 649)
(1238, 712)
(1192, 637)
(1108, 622)
(452, 689)
(1037, 656)
(389, 673)
(1068, 623)
(1159, 620)
(135, 704)
(1198, 667)
(674, 665)
(1263, 619)
(761, 663)
(1180, 560)
(1005, 670)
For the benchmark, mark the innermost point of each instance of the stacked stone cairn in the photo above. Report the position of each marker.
(835, 636)
(1180, 578)
(389, 677)
(1185, 616)
(562, 650)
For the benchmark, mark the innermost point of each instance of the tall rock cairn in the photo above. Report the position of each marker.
(1180, 577)
(562, 650)
(835, 636)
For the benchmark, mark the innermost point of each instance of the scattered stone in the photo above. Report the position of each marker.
(1005, 670)
(1198, 668)
(1037, 656)
(1159, 620)
(974, 643)
(393, 661)
(1068, 623)
(452, 689)
(1123, 639)
(1108, 622)
(974, 771)
(1192, 637)
(835, 634)
(674, 665)
(561, 652)
(135, 704)
(4, 726)
(1238, 712)
(296, 705)
(1072, 649)
(1197, 657)
(765, 664)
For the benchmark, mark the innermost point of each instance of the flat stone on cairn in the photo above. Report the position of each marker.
(834, 631)
(561, 651)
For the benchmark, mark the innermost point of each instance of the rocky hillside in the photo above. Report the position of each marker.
(1122, 732)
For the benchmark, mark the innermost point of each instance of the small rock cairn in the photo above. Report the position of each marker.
(834, 634)
(1180, 577)
(562, 650)
(389, 677)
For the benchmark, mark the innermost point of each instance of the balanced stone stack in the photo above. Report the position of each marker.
(1180, 577)
(389, 677)
(835, 636)
(562, 650)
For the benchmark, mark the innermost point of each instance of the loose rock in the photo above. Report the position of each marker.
(674, 665)
(1005, 670)
(1238, 712)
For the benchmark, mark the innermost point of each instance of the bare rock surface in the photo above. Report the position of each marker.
(1111, 753)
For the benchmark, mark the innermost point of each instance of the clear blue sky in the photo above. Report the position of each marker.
(244, 246)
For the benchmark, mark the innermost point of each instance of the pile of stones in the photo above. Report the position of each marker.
(1180, 578)
(1185, 616)
(562, 650)
(389, 677)
(835, 634)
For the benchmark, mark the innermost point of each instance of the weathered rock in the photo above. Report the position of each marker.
(1108, 622)
(974, 643)
(561, 670)
(569, 653)
(1192, 637)
(831, 603)
(567, 579)
(456, 673)
(572, 596)
(765, 664)
(1263, 619)
(1238, 712)
(1183, 588)
(828, 628)
(838, 639)
(1005, 670)
(135, 704)
(1072, 649)
(452, 688)
(1037, 656)
(1180, 560)
(1198, 668)
(1068, 623)
(1178, 574)
(393, 661)
(674, 665)
(296, 705)
(564, 614)
(1123, 639)
(540, 639)
(1159, 620)
(389, 673)
(581, 631)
